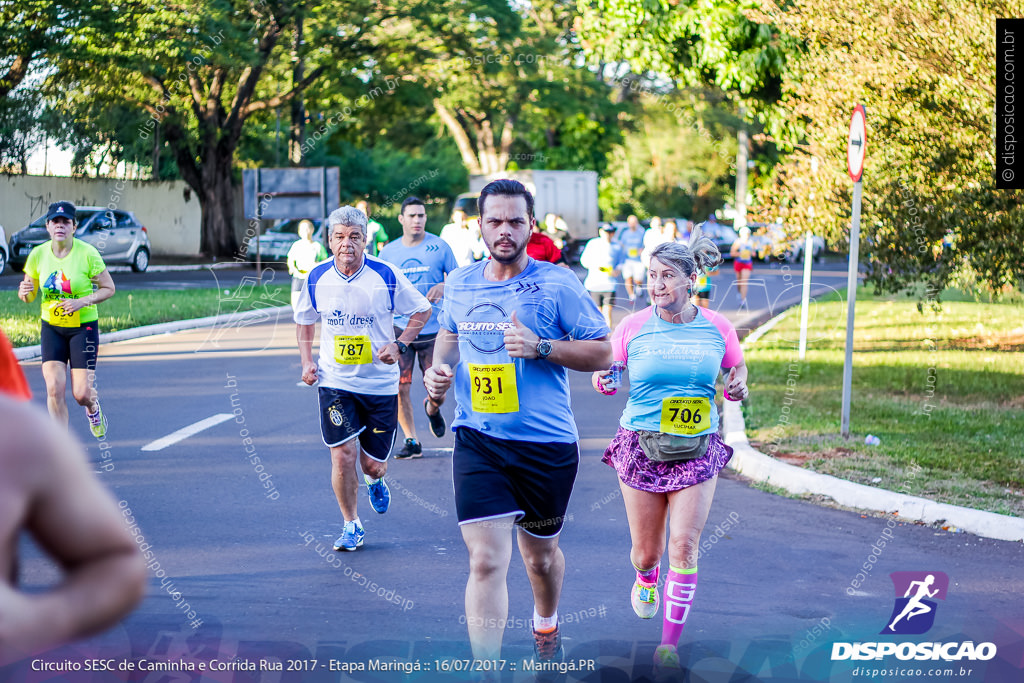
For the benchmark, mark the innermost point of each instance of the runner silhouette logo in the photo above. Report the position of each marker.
(916, 593)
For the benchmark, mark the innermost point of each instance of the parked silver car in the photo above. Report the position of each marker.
(279, 238)
(117, 235)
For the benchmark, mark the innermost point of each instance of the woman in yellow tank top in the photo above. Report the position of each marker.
(72, 278)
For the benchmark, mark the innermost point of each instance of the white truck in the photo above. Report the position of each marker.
(569, 194)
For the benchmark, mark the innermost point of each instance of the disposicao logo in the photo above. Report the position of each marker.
(914, 613)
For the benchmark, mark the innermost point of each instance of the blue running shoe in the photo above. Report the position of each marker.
(380, 494)
(351, 538)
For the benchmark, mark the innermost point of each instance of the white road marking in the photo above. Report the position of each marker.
(186, 432)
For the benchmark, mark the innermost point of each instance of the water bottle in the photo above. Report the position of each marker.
(616, 377)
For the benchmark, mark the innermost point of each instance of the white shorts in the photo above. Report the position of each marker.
(633, 270)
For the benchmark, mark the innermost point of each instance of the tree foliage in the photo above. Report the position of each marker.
(720, 43)
(925, 71)
(203, 68)
(678, 158)
(515, 86)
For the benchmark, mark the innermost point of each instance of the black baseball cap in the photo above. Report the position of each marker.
(65, 209)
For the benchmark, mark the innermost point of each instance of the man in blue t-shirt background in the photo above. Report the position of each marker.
(426, 260)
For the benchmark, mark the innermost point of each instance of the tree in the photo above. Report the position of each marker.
(724, 44)
(931, 211)
(203, 68)
(18, 136)
(678, 160)
(516, 79)
(37, 31)
(36, 34)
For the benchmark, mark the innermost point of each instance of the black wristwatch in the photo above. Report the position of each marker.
(544, 348)
(401, 346)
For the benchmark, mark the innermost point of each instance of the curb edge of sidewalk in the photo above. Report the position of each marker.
(796, 480)
(25, 353)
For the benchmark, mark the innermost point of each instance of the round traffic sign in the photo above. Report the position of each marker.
(856, 143)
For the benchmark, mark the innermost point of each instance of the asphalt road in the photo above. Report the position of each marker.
(125, 279)
(246, 548)
(770, 285)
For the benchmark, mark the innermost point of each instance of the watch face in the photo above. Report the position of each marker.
(543, 348)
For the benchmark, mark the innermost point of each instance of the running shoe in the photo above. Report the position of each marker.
(666, 662)
(380, 494)
(547, 646)
(437, 425)
(351, 537)
(97, 422)
(644, 598)
(411, 449)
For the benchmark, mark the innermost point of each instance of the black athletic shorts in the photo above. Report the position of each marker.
(345, 415)
(77, 345)
(603, 298)
(422, 348)
(500, 477)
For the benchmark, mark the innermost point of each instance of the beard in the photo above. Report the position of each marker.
(516, 254)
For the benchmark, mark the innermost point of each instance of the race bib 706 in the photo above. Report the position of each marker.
(685, 416)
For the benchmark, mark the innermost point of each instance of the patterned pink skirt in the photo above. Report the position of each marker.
(639, 472)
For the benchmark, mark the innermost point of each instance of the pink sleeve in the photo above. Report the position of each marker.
(733, 353)
(626, 330)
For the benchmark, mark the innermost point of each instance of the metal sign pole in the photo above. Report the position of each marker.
(805, 299)
(856, 150)
(259, 202)
(851, 304)
(323, 204)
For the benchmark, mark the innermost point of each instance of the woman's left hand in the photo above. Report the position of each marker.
(736, 383)
(72, 305)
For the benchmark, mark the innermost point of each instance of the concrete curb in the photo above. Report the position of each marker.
(33, 352)
(196, 266)
(760, 467)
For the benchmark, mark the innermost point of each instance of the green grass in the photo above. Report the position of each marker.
(126, 309)
(943, 390)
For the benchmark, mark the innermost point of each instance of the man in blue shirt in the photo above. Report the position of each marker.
(425, 259)
(511, 328)
(630, 241)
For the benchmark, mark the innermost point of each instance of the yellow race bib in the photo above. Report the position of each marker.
(61, 319)
(493, 388)
(352, 349)
(685, 416)
(634, 252)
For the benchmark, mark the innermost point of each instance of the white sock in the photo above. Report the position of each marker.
(370, 480)
(544, 623)
(356, 520)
